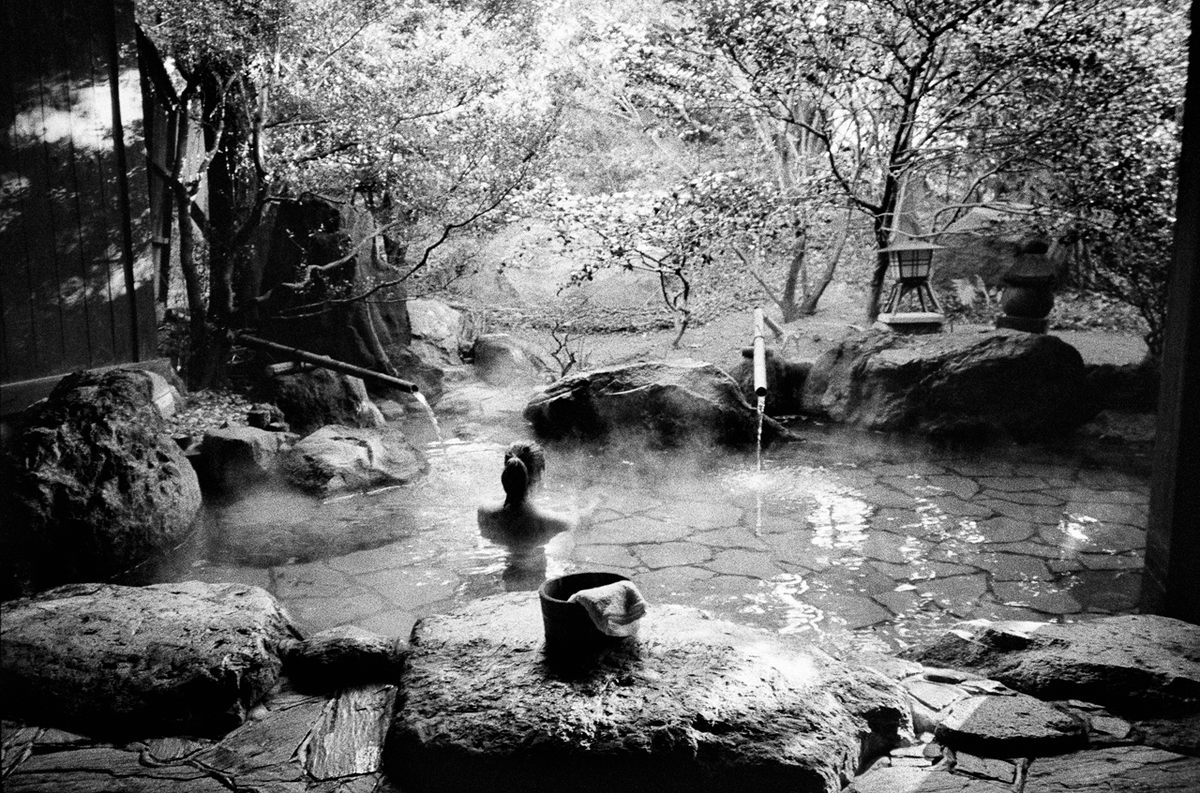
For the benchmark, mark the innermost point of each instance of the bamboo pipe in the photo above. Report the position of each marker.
(326, 362)
(760, 356)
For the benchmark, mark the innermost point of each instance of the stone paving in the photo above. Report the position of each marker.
(873, 539)
(292, 743)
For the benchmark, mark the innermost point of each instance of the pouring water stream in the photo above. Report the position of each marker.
(762, 402)
(437, 428)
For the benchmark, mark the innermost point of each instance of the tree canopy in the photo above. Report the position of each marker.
(911, 113)
(430, 116)
(821, 120)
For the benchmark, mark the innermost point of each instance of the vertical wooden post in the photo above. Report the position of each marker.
(1171, 585)
(122, 168)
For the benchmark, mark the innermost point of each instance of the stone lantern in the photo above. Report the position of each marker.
(911, 306)
(1028, 291)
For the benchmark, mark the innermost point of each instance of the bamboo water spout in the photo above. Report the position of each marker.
(760, 356)
(760, 378)
(325, 362)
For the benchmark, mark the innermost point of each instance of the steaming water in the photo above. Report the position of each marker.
(848, 536)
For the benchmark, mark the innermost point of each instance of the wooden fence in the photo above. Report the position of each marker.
(76, 266)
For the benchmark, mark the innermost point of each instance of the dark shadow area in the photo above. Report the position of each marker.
(63, 195)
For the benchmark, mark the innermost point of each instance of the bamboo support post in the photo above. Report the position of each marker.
(760, 355)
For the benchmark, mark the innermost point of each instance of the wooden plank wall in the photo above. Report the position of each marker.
(69, 218)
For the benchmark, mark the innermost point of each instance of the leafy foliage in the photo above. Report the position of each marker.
(1114, 178)
(682, 235)
(795, 134)
(893, 108)
(430, 115)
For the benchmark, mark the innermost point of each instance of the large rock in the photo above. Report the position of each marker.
(502, 360)
(164, 394)
(318, 397)
(440, 332)
(1012, 725)
(235, 458)
(102, 659)
(341, 657)
(337, 458)
(1136, 664)
(693, 704)
(668, 403)
(1125, 387)
(93, 485)
(1004, 382)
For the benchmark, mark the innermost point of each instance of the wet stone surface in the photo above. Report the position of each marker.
(293, 744)
(1129, 769)
(691, 703)
(977, 734)
(1142, 665)
(1008, 726)
(116, 660)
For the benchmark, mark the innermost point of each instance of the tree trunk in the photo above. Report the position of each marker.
(883, 235)
(878, 277)
(371, 322)
(232, 191)
(797, 275)
(809, 306)
(197, 336)
(685, 317)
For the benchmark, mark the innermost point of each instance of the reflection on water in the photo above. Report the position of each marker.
(834, 513)
(849, 535)
(1074, 529)
(786, 590)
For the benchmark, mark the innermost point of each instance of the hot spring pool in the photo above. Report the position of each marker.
(847, 537)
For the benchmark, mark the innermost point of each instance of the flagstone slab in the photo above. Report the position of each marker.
(742, 563)
(671, 554)
(923, 778)
(1008, 725)
(1045, 514)
(1005, 529)
(1132, 664)
(693, 704)
(638, 529)
(1012, 484)
(1033, 497)
(979, 507)
(1128, 769)
(733, 537)
(1095, 537)
(611, 556)
(1041, 596)
(1011, 567)
(960, 486)
(294, 744)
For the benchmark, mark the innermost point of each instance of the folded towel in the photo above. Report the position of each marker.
(614, 608)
